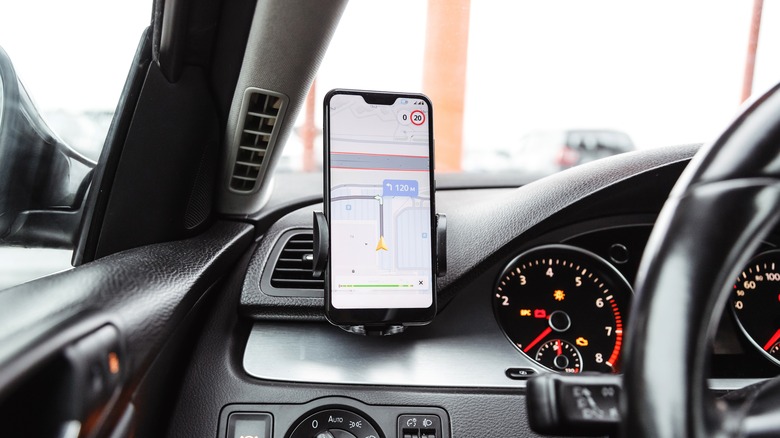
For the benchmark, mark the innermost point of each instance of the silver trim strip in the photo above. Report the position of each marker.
(462, 347)
(320, 353)
(731, 384)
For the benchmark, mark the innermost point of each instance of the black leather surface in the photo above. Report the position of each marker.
(478, 229)
(482, 222)
(145, 292)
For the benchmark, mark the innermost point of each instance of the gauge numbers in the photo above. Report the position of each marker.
(756, 303)
(565, 308)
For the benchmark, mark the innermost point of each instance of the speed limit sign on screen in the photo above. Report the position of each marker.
(418, 117)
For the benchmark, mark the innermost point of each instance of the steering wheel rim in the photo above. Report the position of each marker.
(725, 203)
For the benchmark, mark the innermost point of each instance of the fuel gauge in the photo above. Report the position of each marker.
(559, 355)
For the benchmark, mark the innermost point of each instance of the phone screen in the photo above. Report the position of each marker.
(380, 202)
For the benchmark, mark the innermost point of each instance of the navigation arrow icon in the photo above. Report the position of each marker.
(381, 244)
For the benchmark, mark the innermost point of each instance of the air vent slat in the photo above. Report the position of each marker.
(251, 149)
(301, 243)
(250, 131)
(265, 115)
(262, 110)
(298, 282)
(290, 270)
(244, 163)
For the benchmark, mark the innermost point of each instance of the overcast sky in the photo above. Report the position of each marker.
(73, 54)
(665, 72)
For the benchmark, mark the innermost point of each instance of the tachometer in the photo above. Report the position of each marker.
(565, 308)
(756, 303)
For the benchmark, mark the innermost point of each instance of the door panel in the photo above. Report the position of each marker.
(146, 294)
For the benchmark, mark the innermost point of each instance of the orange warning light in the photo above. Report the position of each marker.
(113, 363)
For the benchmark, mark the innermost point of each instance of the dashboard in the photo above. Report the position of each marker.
(577, 237)
(495, 334)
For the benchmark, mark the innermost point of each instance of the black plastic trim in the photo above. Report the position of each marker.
(265, 279)
(173, 35)
(105, 171)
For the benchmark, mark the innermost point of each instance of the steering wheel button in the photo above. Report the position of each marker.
(574, 405)
(590, 402)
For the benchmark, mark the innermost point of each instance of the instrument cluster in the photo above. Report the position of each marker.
(566, 305)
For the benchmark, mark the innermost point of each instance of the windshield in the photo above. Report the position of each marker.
(538, 87)
(73, 58)
(66, 65)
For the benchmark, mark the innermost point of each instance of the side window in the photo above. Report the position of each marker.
(58, 92)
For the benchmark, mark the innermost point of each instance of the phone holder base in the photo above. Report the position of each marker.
(367, 330)
(320, 264)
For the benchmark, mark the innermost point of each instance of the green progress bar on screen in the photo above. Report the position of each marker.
(374, 285)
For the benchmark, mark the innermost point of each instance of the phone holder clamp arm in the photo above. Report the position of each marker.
(320, 264)
(441, 244)
(321, 244)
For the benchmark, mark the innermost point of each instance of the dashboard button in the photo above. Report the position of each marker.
(419, 426)
(520, 373)
(250, 425)
(333, 422)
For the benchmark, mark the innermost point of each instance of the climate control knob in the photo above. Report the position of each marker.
(334, 423)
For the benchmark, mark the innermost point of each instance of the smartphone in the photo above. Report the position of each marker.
(379, 203)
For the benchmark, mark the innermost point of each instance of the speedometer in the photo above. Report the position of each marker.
(565, 308)
(756, 303)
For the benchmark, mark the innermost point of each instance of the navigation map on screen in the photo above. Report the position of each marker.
(380, 208)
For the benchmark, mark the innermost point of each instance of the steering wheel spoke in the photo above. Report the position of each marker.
(754, 411)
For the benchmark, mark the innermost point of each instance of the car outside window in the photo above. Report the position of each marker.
(72, 59)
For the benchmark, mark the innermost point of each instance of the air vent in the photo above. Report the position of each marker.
(293, 267)
(262, 112)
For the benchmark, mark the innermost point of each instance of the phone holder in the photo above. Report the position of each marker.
(320, 264)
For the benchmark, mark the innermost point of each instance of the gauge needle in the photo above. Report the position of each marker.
(772, 341)
(558, 347)
(538, 338)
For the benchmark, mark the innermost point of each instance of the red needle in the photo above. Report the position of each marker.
(558, 347)
(772, 341)
(538, 338)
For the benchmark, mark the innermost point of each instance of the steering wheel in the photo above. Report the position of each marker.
(725, 202)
